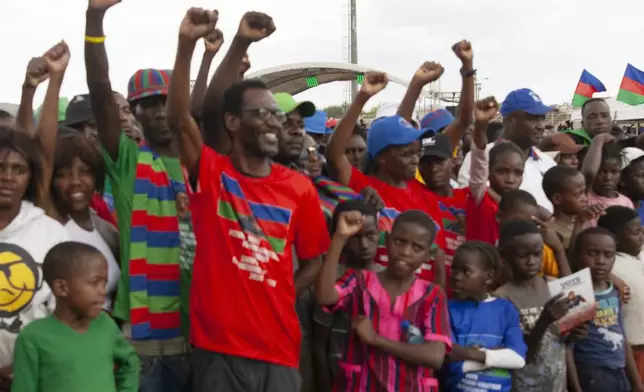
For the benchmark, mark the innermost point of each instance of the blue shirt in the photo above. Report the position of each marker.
(491, 324)
(604, 345)
(640, 210)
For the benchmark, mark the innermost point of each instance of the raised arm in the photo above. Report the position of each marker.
(195, 25)
(485, 111)
(463, 50)
(593, 158)
(212, 43)
(104, 107)
(36, 74)
(337, 161)
(56, 60)
(427, 73)
(253, 27)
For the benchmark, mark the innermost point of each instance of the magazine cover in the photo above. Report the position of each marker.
(579, 288)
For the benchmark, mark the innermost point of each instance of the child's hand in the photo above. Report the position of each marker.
(462, 353)
(549, 234)
(622, 287)
(578, 333)
(371, 196)
(349, 223)
(604, 138)
(556, 308)
(591, 213)
(364, 330)
(485, 110)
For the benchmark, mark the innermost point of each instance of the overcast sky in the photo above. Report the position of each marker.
(541, 44)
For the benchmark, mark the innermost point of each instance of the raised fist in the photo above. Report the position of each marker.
(36, 72)
(255, 26)
(374, 82)
(102, 4)
(486, 109)
(57, 58)
(349, 223)
(463, 50)
(429, 72)
(213, 41)
(198, 23)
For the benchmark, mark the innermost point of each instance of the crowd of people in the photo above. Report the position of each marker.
(215, 239)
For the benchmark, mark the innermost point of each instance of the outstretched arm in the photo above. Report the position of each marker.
(455, 130)
(56, 61)
(212, 43)
(427, 73)
(36, 74)
(196, 24)
(338, 164)
(104, 107)
(253, 27)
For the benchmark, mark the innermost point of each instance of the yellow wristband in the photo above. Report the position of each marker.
(94, 40)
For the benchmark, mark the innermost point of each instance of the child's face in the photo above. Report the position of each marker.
(408, 247)
(470, 278)
(570, 160)
(573, 199)
(523, 212)
(633, 180)
(630, 239)
(524, 255)
(597, 252)
(607, 178)
(87, 289)
(507, 172)
(361, 248)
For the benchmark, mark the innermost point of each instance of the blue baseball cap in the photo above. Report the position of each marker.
(436, 121)
(524, 100)
(390, 131)
(317, 123)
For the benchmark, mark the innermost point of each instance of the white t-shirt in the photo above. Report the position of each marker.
(630, 269)
(93, 238)
(536, 166)
(24, 296)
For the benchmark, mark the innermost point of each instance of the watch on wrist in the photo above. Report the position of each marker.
(468, 74)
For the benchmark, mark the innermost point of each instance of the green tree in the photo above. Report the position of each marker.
(335, 111)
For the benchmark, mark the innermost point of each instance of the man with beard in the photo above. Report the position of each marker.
(524, 116)
(147, 182)
(252, 216)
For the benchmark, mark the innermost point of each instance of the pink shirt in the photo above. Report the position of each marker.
(620, 200)
(364, 368)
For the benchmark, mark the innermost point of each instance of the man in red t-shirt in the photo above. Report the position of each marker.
(250, 216)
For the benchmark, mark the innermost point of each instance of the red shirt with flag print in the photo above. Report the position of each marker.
(450, 214)
(398, 200)
(242, 299)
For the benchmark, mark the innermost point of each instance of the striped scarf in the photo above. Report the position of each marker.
(331, 193)
(154, 251)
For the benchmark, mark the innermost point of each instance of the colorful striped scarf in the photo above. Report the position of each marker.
(331, 193)
(154, 251)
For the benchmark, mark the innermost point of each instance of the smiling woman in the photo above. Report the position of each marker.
(26, 235)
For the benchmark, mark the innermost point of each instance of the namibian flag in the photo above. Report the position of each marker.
(587, 86)
(631, 90)
(262, 220)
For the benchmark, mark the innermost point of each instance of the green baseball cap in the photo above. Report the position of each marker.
(287, 104)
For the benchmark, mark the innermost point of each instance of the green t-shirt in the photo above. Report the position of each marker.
(52, 357)
(122, 174)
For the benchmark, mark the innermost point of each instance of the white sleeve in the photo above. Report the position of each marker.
(464, 171)
(502, 359)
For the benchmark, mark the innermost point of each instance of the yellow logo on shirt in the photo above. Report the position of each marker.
(19, 279)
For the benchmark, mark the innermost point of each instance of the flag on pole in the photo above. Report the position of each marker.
(632, 89)
(587, 86)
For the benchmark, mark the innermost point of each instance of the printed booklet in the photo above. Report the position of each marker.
(579, 288)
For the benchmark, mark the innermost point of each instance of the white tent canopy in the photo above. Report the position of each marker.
(618, 110)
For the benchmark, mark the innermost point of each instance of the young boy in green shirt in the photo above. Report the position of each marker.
(77, 348)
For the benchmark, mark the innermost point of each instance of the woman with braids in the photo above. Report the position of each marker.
(73, 165)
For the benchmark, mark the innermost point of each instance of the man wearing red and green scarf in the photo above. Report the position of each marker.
(148, 186)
